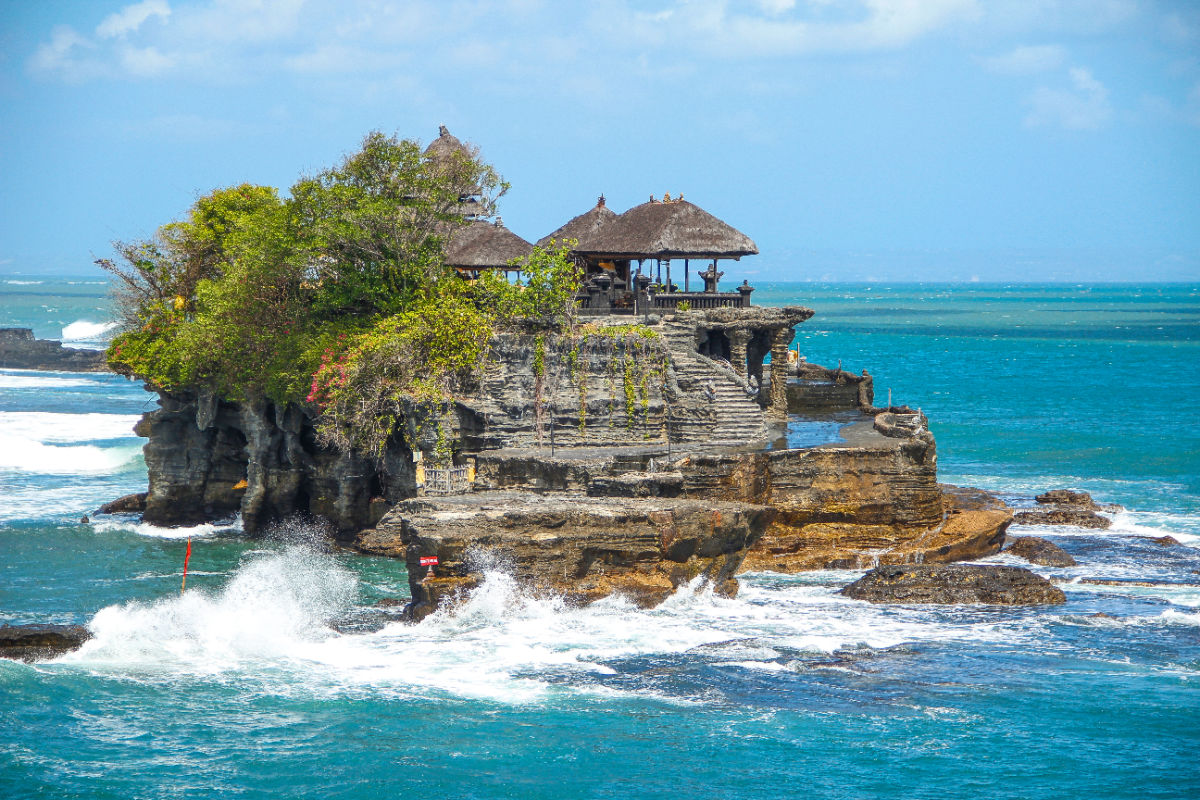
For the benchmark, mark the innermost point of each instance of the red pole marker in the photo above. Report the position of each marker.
(186, 558)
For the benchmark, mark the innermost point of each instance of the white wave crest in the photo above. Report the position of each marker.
(83, 330)
(47, 427)
(201, 531)
(22, 454)
(276, 606)
(44, 380)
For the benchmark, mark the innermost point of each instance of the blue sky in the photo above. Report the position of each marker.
(997, 140)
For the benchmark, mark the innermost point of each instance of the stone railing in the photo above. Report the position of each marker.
(669, 301)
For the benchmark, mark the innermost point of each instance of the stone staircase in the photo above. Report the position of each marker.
(730, 416)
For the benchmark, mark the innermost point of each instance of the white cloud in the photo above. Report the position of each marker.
(776, 6)
(144, 61)
(1027, 60)
(1057, 16)
(1082, 106)
(58, 54)
(710, 26)
(130, 18)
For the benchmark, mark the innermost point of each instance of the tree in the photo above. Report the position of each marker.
(245, 294)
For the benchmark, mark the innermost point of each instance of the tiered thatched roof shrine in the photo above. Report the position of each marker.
(657, 231)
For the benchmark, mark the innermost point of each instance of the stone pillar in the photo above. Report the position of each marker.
(738, 339)
(777, 406)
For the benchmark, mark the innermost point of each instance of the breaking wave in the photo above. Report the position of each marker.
(83, 330)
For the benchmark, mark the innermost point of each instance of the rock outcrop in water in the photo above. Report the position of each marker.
(1067, 507)
(1043, 552)
(581, 548)
(20, 350)
(954, 584)
(39, 642)
(626, 461)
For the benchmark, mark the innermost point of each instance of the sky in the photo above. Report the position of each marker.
(946, 140)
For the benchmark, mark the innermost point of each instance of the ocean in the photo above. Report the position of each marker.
(272, 676)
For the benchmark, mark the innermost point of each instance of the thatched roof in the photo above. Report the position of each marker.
(669, 229)
(480, 244)
(445, 145)
(585, 228)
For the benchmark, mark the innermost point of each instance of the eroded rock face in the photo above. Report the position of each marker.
(20, 350)
(1043, 552)
(580, 547)
(39, 642)
(954, 584)
(208, 458)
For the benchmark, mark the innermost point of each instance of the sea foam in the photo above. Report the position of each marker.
(49, 427)
(83, 330)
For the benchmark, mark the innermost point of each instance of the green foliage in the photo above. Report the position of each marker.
(248, 295)
(546, 295)
(423, 356)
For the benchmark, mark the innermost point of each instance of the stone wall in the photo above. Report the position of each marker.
(816, 388)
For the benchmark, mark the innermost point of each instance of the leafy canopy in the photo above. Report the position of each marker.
(337, 294)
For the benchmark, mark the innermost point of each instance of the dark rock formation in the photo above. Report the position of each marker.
(1037, 550)
(207, 458)
(1067, 507)
(1078, 518)
(583, 548)
(129, 504)
(954, 584)
(1166, 541)
(1068, 498)
(38, 642)
(19, 350)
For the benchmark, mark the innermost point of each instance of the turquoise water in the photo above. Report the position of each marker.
(276, 676)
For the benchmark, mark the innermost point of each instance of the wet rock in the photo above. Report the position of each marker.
(1078, 518)
(582, 548)
(971, 524)
(1066, 497)
(954, 584)
(38, 642)
(1166, 541)
(1037, 550)
(20, 350)
(129, 504)
(1067, 507)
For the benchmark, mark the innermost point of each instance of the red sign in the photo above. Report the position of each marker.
(429, 561)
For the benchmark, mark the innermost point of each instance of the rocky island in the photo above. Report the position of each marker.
(565, 409)
(20, 350)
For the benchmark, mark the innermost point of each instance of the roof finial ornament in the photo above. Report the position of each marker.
(666, 197)
(499, 223)
(680, 198)
(443, 130)
(652, 200)
(600, 201)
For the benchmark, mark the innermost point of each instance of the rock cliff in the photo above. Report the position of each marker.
(208, 458)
